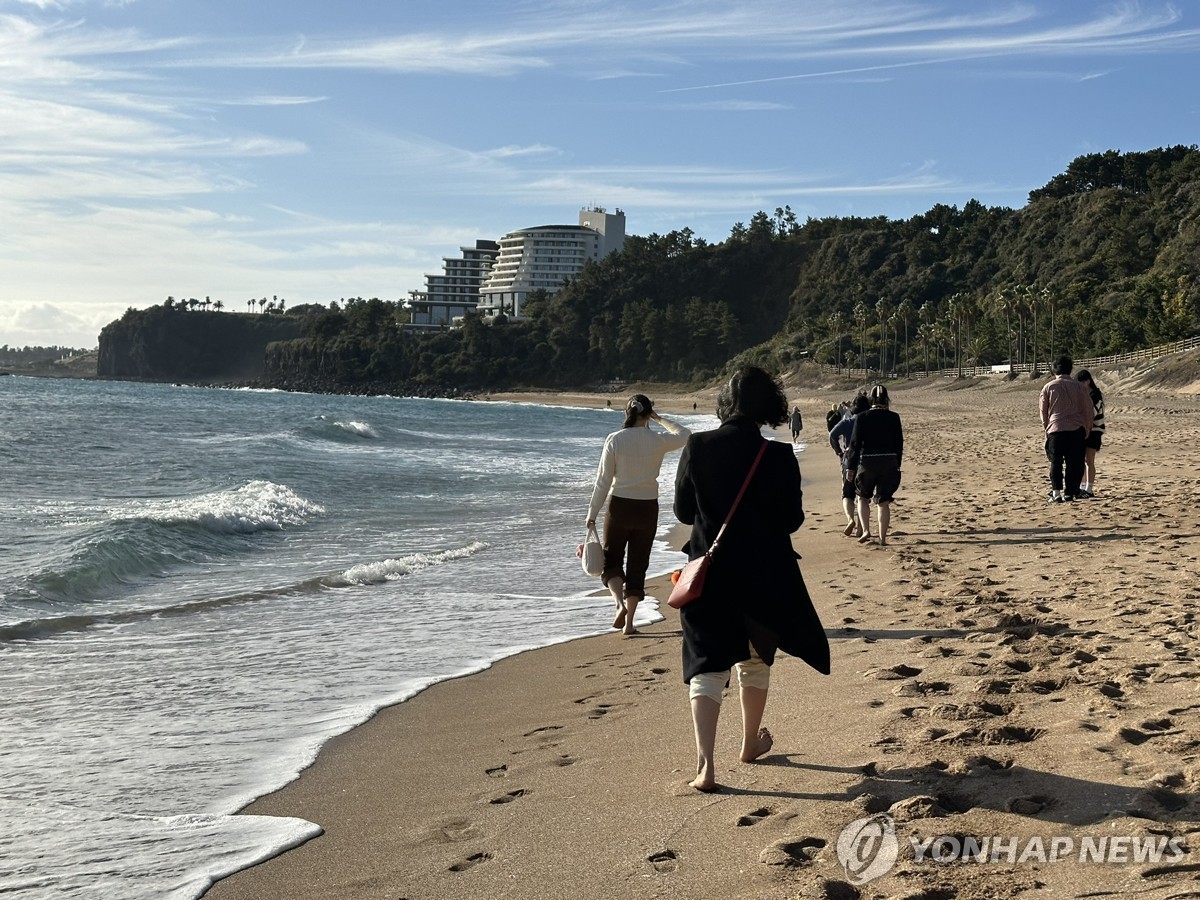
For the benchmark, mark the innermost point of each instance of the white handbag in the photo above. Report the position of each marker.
(591, 553)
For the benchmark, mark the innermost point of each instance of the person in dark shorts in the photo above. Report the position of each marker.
(876, 450)
(1095, 437)
(839, 440)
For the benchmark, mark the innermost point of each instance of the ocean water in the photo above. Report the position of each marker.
(199, 588)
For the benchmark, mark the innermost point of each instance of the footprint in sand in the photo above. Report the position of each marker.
(1028, 806)
(922, 688)
(500, 771)
(473, 860)
(839, 890)
(897, 672)
(542, 730)
(792, 852)
(509, 797)
(663, 861)
(753, 818)
(1149, 729)
(454, 831)
(1004, 734)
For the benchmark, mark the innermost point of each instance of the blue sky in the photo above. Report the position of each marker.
(317, 150)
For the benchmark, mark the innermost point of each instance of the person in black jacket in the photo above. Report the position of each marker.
(875, 452)
(754, 600)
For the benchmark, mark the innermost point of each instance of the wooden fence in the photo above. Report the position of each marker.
(1092, 362)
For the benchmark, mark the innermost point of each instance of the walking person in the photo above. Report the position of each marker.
(1066, 411)
(754, 601)
(1095, 437)
(797, 423)
(629, 465)
(876, 451)
(839, 440)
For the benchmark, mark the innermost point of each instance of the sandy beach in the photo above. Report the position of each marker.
(1006, 671)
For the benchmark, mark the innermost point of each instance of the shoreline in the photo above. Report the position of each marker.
(1004, 667)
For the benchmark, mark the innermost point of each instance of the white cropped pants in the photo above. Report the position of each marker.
(752, 672)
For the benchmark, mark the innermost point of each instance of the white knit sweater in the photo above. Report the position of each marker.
(630, 461)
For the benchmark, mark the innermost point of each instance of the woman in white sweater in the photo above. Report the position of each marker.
(629, 465)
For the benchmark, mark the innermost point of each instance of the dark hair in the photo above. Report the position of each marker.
(753, 393)
(1085, 375)
(1063, 365)
(861, 404)
(638, 405)
(879, 396)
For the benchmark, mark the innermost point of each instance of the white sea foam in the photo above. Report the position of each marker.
(254, 506)
(389, 569)
(362, 429)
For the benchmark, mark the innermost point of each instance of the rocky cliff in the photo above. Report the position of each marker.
(163, 343)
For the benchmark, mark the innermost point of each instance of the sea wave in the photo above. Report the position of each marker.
(364, 574)
(252, 507)
(324, 428)
(150, 538)
(391, 569)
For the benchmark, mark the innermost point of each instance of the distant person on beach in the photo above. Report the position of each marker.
(876, 451)
(1066, 411)
(839, 440)
(754, 601)
(797, 423)
(629, 466)
(833, 417)
(1087, 487)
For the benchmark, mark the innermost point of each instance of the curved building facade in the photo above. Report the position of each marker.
(545, 256)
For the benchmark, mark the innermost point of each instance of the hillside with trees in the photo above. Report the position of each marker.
(1102, 259)
(170, 343)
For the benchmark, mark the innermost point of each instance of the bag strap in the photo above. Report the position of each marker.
(738, 498)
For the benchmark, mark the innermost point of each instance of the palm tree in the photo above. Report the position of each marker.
(1005, 300)
(956, 314)
(883, 309)
(261, 303)
(943, 334)
(904, 311)
(925, 335)
(1037, 300)
(218, 305)
(861, 316)
(837, 322)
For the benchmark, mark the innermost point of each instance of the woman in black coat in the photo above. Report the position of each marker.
(754, 601)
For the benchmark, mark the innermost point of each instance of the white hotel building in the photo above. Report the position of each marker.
(543, 257)
(454, 292)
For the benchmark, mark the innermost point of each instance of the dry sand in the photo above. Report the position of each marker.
(1005, 668)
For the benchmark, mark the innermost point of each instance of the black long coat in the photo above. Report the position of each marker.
(754, 591)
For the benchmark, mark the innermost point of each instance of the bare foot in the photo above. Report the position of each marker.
(765, 742)
(619, 621)
(629, 631)
(865, 539)
(705, 781)
(850, 529)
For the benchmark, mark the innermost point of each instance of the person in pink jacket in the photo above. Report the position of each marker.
(1066, 411)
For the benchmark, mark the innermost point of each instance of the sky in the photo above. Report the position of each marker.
(316, 151)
